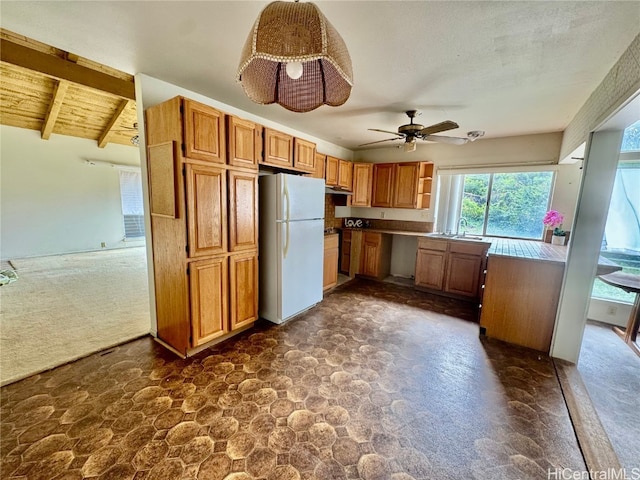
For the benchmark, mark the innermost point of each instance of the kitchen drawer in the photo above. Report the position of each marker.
(331, 241)
(432, 244)
(469, 248)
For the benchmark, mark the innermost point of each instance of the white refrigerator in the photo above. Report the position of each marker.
(291, 244)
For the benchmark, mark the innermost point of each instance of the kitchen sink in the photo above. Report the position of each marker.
(453, 236)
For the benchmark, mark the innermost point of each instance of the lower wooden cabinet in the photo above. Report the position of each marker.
(243, 281)
(331, 254)
(463, 274)
(224, 295)
(430, 266)
(209, 283)
(375, 257)
(366, 253)
(451, 266)
(345, 256)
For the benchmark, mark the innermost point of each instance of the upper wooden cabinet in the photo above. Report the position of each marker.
(243, 211)
(244, 145)
(206, 210)
(402, 185)
(278, 149)
(304, 155)
(406, 185)
(345, 175)
(382, 193)
(339, 173)
(204, 132)
(362, 184)
(318, 172)
(332, 169)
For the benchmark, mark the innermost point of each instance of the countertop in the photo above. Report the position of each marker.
(511, 247)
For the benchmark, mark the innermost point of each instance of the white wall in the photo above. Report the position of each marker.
(51, 201)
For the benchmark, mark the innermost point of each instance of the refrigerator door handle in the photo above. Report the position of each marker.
(285, 188)
(285, 249)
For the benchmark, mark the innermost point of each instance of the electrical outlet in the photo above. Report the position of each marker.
(611, 310)
(103, 244)
(381, 214)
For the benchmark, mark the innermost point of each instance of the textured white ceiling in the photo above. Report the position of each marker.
(509, 67)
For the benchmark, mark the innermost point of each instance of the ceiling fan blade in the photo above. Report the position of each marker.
(385, 131)
(449, 140)
(439, 127)
(380, 141)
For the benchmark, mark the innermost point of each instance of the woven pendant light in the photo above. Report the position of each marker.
(294, 57)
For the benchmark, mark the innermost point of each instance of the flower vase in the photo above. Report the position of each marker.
(558, 239)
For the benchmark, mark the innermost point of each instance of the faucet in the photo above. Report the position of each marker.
(461, 220)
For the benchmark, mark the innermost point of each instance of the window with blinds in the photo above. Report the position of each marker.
(132, 209)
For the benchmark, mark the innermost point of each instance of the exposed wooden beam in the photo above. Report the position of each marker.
(61, 69)
(109, 131)
(59, 92)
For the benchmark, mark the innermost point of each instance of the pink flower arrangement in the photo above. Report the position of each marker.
(554, 219)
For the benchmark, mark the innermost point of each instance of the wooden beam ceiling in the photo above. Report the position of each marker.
(109, 131)
(59, 92)
(62, 69)
(50, 90)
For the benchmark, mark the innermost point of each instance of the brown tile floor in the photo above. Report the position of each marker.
(377, 382)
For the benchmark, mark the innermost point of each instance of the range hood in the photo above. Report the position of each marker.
(336, 191)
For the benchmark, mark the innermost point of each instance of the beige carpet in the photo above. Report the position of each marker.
(64, 307)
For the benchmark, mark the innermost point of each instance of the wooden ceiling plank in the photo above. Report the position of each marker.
(108, 132)
(64, 70)
(59, 92)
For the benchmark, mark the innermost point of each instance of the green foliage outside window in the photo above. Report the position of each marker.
(517, 203)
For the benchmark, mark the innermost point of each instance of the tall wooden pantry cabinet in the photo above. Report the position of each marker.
(203, 188)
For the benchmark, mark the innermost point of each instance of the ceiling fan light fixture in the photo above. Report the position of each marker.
(410, 145)
(294, 57)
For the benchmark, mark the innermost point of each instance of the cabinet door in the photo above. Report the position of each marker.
(406, 185)
(204, 135)
(278, 149)
(345, 260)
(243, 211)
(362, 179)
(345, 175)
(430, 269)
(463, 274)
(206, 210)
(371, 243)
(332, 171)
(330, 271)
(245, 142)
(319, 168)
(304, 155)
(243, 278)
(209, 299)
(382, 185)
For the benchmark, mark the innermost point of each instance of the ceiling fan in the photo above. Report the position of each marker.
(412, 131)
